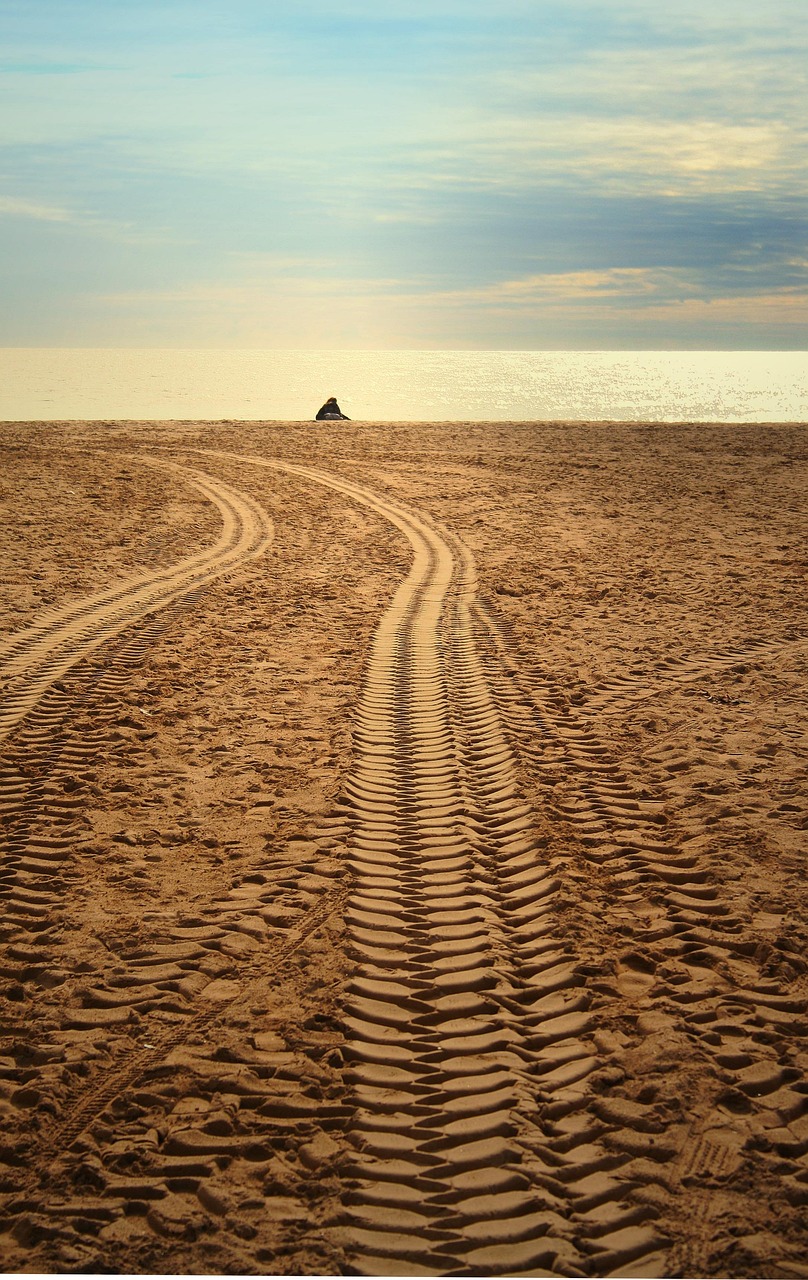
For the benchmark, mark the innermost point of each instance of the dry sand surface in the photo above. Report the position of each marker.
(405, 838)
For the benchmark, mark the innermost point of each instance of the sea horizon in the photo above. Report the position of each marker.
(404, 384)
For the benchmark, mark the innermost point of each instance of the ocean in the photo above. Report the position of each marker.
(404, 386)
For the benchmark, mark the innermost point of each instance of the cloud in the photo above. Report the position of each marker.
(563, 287)
(260, 294)
(645, 156)
(647, 294)
(709, 102)
(82, 221)
(737, 75)
(755, 310)
(17, 208)
(648, 289)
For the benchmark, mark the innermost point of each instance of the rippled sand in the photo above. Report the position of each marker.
(404, 849)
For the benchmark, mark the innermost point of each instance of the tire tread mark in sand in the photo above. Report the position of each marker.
(47, 1157)
(614, 823)
(44, 741)
(35, 705)
(34, 659)
(39, 756)
(91, 1104)
(625, 690)
(622, 833)
(38, 1169)
(466, 1019)
(39, 733)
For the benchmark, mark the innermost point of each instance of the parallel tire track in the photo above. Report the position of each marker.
(32, 660)
(466, 1020)
(44, 750)
(686, 948)
(39, 708)
(184, 974)
(159, 1019)
(484, 1141)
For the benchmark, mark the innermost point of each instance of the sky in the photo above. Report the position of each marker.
(525, 174)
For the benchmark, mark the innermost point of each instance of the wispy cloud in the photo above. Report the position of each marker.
(755, 312)
(629, 154)
(626, 287)
(266, 294)
(17, 208)
(570, 287)
(653, 291)
(83, 221)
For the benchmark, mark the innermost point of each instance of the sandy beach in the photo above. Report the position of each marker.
(404, 849)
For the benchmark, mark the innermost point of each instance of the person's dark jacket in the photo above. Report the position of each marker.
(330, 411)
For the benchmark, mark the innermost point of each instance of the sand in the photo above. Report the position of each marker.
(404, 834)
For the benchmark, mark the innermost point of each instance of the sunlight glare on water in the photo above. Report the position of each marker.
(400, 386)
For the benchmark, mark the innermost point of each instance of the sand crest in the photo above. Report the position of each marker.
(404, 849)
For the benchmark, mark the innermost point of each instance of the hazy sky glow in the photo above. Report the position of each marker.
(415, 173)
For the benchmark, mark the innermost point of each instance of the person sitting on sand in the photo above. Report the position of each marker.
(331, 411)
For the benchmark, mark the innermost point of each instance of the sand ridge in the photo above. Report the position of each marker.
(404, 851)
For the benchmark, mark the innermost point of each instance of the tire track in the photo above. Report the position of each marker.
(686, 949)
(489, 1131)
(618, 826)
(60, 671)
(116, 1047)
(624, 690)
(40, 795)
(32, 660)
(87, 1105)
(466, 1021)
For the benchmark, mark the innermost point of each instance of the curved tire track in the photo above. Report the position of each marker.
(42, 709)
(44, 746)
(482, 1140)
(140, 1012)
(32, 660)
(466, 1022)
